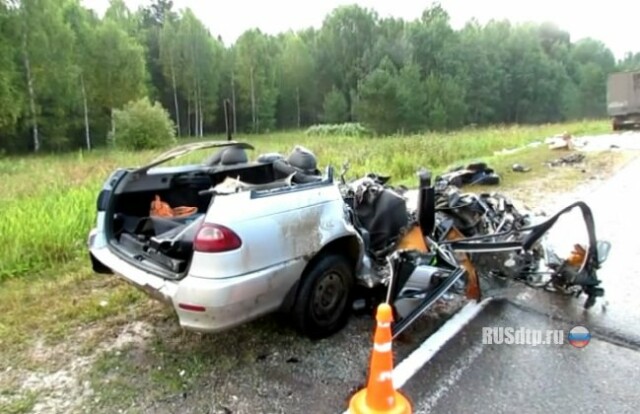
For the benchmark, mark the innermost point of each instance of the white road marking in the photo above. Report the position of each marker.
(420, 356)
(463, 362)
(416, 360)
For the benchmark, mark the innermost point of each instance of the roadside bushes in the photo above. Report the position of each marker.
(349, 129)
(141, 125)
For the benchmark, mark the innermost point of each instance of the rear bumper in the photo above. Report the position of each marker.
(212, 305)
(102, 258)
(626, 119)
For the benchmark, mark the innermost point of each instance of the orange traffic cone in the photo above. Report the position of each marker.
(379, 396)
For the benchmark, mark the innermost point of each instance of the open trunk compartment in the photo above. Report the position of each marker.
(165, 242)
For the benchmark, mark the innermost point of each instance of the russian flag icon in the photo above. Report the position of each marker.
(579, 336)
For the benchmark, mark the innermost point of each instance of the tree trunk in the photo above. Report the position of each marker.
(354, 102)
(253, 103)
(32, 94)
(233, 101)
(201, 113)
(113, 127)
(87, 133)
(195, 112)
(298, 105)
(175, 97)
(196, 97)
(189, 117)
(201, 120)
(199, 124)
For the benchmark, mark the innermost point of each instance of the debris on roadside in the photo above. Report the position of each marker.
(475, 173)
(508, 151)
(520, 168)
(560, 141)
(570, 159)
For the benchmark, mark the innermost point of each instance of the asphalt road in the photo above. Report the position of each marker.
(469, 376)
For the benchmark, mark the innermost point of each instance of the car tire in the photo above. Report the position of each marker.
(323, 302)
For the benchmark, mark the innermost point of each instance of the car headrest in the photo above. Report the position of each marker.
(228, 156)
(304, 160)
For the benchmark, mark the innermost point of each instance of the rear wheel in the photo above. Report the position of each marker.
(323, 302)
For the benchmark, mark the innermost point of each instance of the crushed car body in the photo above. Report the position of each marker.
(227, 240)
(452, 239)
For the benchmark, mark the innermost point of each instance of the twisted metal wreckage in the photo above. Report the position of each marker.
(451, 239)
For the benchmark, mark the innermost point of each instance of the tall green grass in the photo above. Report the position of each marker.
(47, 203)
(37, 233)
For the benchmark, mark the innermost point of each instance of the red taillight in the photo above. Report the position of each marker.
(212, 238)
(193, 308)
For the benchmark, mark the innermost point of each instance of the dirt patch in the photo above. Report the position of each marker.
(136, 333)
(61, 384)
(59, 391)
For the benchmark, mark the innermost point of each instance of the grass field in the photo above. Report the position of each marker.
(47, 203)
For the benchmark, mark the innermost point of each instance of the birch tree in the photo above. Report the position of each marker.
(82, 22)
(46, 43)
(256, 78)
(200, 62)
(296, 68)
(170, 61)
(10, 93)
(119, 74)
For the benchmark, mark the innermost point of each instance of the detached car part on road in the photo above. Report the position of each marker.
(276, 234)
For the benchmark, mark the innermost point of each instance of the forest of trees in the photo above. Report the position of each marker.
(64, 70)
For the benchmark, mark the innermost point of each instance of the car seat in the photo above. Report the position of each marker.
(301, 162)
(304, 160)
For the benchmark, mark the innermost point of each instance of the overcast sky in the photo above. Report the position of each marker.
(615, 22)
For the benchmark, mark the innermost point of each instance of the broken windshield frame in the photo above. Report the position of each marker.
(186, 149)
